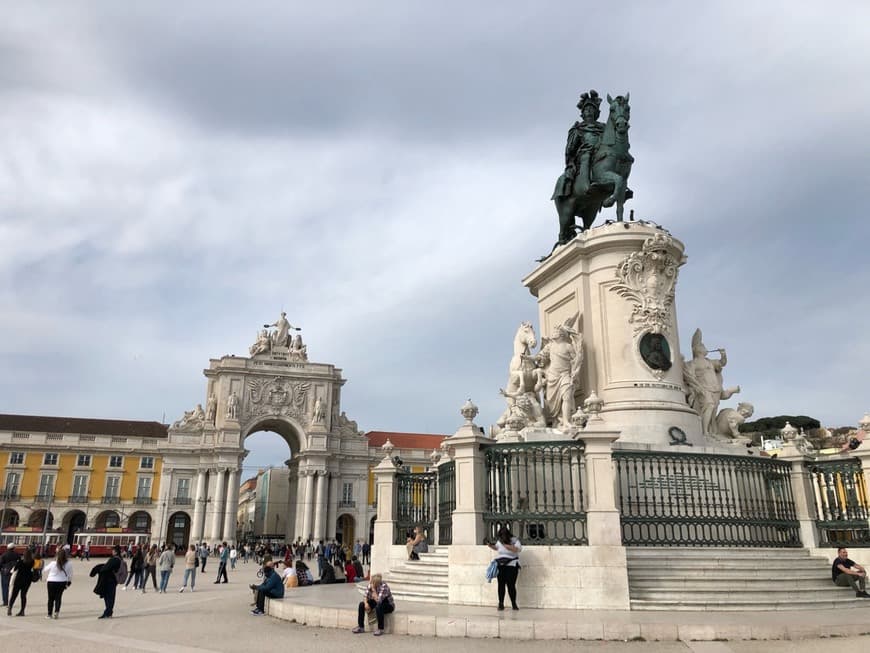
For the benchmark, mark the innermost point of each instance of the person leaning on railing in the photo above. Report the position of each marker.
(848, 573)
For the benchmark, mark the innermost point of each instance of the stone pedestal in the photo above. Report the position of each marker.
(803, 493)
(620, 279)
(465, 446)
(385, 525)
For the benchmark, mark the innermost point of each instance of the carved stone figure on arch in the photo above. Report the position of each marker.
(191, 421)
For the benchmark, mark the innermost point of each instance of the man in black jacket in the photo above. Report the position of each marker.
(7, 564)
(107, 581)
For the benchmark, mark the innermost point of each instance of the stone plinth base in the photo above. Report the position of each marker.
(570, 577)
(620, 279)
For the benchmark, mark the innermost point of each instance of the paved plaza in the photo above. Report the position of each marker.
(217, 618)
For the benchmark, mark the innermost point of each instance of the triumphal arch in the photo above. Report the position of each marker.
(275, 388)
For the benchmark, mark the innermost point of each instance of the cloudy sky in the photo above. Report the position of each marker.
(172, 175)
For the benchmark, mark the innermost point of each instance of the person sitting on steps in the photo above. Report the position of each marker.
(416, 544)
(848, 573)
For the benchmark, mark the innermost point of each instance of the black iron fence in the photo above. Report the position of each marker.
(416, 504)
(536, 490)
(446, 501)
(678, 499)
(841, 502)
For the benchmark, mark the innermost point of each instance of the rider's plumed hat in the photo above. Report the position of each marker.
(590, 99)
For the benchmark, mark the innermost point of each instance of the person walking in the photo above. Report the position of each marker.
(508, 549)
(165, 563)
(366, 553)
(234, 553)
(223, 558)
(21, 582)
(190, 564)
(378, 598)
(7, 565)
(137, 570)
(58, 576)
(107, 581)
(203, 556)
(151, 567)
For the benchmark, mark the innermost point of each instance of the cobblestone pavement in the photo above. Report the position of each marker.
(217, 618)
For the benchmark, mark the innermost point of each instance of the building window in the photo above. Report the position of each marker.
(183, 489)
(116, 461)
(113, 520)
(49, 459)
(16, 458)
(46, 486)
(113, 487)
(80, 486)
(146, 462)
(84, 460)
(143, 489)
(141, 521)
(347, 492)
(13, 481)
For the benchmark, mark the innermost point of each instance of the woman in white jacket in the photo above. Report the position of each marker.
(59, 574)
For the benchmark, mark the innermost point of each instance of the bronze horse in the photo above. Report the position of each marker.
(608, 183)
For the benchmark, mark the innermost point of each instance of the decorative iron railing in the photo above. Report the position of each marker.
(536, 490)
(687, 499)
(446, 501)
(841, 502)
(416, 504)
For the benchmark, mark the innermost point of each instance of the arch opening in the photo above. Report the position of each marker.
(107, 519)
(11, 519)
(73, 522)
(37, 519)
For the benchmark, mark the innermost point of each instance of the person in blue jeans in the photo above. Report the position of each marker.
(190, 564)
(164, 565)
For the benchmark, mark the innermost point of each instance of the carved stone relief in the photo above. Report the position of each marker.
(648, 279)
(277, 396)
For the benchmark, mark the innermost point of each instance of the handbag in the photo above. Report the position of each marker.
(491, 571)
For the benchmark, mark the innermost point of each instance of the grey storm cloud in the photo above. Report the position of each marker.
(172, 175)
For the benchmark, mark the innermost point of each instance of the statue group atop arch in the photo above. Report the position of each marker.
(280, 342)
(597, 165)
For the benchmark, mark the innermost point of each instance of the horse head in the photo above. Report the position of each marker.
(526, 335)
(620, 113)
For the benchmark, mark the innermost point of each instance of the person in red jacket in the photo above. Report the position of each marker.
(350, 572)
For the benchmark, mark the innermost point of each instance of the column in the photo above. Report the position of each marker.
(803, 494)
(332, 511)
(163, 492)
(232, 508)
(603, 526)
(299, 526)
(198, 508)
(385, 525)
(320, 504)
(219, 500)
(466, 444)
(308, 504)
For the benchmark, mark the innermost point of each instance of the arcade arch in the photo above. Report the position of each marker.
(73, 522)
(37, 519)
(107, 519)
(139, 521)
(11, 518)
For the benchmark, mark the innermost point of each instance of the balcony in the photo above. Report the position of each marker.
(9, 496)
(43, 498)
(143, 501)
(347, 504)
(182, 501)
(111, 500)
(77, 498)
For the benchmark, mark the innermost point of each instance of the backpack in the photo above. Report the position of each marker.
(121, 574)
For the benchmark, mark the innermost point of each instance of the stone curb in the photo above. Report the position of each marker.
(508, 627)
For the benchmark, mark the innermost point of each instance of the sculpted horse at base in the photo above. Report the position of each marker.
(607, 182)
(521, 374)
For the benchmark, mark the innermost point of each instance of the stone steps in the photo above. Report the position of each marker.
(733, 579)
(424, 580)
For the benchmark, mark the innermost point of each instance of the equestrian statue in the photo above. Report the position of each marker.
(597, 165)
